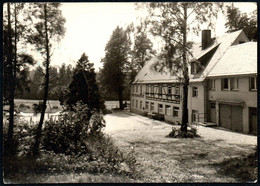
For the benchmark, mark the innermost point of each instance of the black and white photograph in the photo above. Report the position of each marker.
(129, 92)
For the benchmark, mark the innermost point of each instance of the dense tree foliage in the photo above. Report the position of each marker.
(236, 20)
(116, 62)
(143, 47)
(172, 22)
(60, 78)
(141, 52)
(84, 87)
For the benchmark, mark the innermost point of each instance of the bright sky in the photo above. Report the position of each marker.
(90, 25)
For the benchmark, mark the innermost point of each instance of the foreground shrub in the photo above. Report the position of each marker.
(103, 157)
(106, 157)
(74, 143)
(12, 148)
(177, 133)
(23, 137)
(68, 134)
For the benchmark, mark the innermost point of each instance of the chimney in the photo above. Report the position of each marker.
(205, 38)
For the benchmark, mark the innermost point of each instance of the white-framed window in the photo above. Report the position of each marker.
(160, 108)
(141, 105)
(212, 84)
(175, 111)
(194, 91)
(234, 83)
(212, 105)
(225, 83)
(136, 104)
(146, 105)
(253, 83)
(167, 110)
(152, 106)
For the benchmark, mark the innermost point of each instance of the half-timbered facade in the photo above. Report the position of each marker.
(222, 89)
(153, 92)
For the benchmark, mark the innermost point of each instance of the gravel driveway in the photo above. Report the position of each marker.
(167, 160)
(124, 121)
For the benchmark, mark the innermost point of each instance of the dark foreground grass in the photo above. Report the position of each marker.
(59, 168)
(102, 162)
(243, 168)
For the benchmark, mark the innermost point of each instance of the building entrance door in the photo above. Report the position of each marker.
(212, 112)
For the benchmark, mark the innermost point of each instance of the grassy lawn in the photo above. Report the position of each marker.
(27, 105)
(164, 159)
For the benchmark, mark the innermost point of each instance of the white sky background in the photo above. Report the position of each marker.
(90, 25)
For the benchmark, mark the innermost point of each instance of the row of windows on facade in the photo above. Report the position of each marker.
(175, 110)
(150, 89)
(233, 83)
(160, 108)
(227, 84)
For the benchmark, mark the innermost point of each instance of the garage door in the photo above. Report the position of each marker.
(225, 116)
(237, 118)
(231, 117)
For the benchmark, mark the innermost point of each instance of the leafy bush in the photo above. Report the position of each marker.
(106, 157)
(10, 147)
(80, 138)
(22, 137)
(103, 158)
(177, 133)
(68, 134)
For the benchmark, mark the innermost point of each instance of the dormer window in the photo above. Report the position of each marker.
(194, 68)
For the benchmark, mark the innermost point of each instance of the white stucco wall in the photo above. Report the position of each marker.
(197, 103)
(249, 98)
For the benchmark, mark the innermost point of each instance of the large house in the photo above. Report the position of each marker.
(222, 88)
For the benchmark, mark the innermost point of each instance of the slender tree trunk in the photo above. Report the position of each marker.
(185, 75)
(11, 85)
(15, 49)
(46, 86)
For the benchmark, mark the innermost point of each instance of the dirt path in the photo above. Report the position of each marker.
(164, 159)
